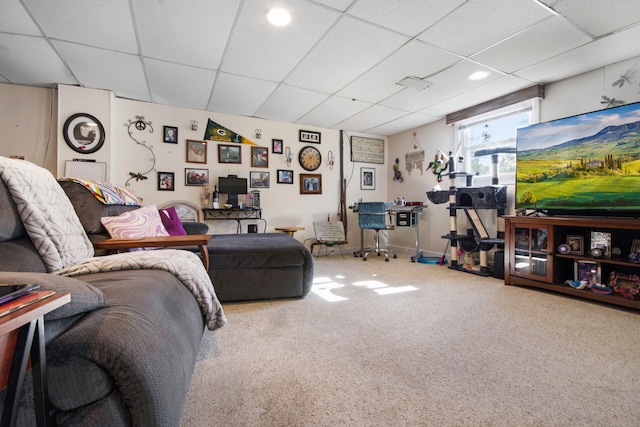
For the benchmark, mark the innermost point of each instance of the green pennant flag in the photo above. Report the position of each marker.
(218, 133)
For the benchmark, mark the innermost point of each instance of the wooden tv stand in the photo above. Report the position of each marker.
(532, 257)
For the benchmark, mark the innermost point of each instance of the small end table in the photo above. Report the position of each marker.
(289, 230)
(29, 323)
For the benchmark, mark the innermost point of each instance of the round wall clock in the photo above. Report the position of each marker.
(310, 158)
(83, 133)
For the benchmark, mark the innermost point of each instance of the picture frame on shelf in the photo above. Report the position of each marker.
(196, 177)
(587, 270)
(196, 151)
(259, 157)
(309, 136)
(166, 181)
(229, 153)
(635, 246)
(284, 176)
(576, 245)
(277, 146)
(170, 134)
(367, 179)
(310, 183)
(601, 240)
(259, 179)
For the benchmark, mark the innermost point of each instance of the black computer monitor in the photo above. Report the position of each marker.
(232, 186)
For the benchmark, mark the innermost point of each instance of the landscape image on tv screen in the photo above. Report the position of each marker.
(589, 162)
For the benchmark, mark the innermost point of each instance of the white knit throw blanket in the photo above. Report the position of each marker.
(56, 231)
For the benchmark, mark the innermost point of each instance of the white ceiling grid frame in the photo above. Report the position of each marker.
(415, 58)
(333, 111)
(481, 23)
(257, 49)
(409, 17)
(288, 104)
(371, 117)
(620, 14)
(549, 37)
(190, 91)
(343, 54)
(239, 95)
(105, 23)
(90, 62)
(164, 36)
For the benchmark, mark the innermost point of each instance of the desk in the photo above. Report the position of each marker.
(29, 322)
(234, 214)
(400, 216)
(200, 240)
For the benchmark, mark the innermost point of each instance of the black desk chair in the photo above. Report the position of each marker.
(373, 216)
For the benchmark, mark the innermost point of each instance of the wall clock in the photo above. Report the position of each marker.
(83, 133)
(310, 158)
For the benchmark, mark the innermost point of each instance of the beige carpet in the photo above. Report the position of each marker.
(409, 344)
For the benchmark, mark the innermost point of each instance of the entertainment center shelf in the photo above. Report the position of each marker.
(532, 257)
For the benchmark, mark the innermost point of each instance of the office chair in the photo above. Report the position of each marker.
(373, 216)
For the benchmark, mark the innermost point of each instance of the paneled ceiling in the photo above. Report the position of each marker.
(335, 66)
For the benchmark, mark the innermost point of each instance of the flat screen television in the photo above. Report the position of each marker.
(232, 186)
(587, 164)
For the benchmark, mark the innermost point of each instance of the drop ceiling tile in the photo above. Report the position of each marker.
(343, 54)
(413, 59)
(196, 39)
(179, 85)
(614, 48)
(369, 118)
(442, 87)
(409, 17)
(475, 96)
(481, 23)
(14, 19)
(410, 121)
(31, 61)
(288, 104)
(341, 5)
(537, 43)
(105, 69)
(106, 23)
(260, 50)
(618, 14)
(334, 110)
(239, 95)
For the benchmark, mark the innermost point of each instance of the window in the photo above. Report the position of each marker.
(483, 137)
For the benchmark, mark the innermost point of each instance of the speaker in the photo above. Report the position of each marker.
(252, 228)
(489, 197)
(498, 264)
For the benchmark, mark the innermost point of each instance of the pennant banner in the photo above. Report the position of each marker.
(218, 133)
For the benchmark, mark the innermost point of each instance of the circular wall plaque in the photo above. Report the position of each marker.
(83, 133)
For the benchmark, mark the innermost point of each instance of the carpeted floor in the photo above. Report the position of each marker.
(409, 344)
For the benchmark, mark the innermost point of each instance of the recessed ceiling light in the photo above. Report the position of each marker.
(278, 16)
(479, 75)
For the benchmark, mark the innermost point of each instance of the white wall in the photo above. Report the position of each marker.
(576, 95)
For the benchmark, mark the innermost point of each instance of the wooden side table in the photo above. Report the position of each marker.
(29, 324)
(289, 230)
(200, 240)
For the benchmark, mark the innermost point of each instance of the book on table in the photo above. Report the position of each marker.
(23, 300)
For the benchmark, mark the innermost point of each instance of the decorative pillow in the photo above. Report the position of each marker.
(143, 222)
(171, 221)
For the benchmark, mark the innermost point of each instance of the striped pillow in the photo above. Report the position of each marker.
(143, 222)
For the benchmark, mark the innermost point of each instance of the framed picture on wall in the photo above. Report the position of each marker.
(276, 146)
(196, 177)
(229, 153)
(170, 134)
(310, 183)
(367, 179)
(259, 179)
(196, 151)
(259, 157)
(285, 176)
(166, 181)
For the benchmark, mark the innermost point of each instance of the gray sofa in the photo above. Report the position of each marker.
(122, 352)
(242, 267)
